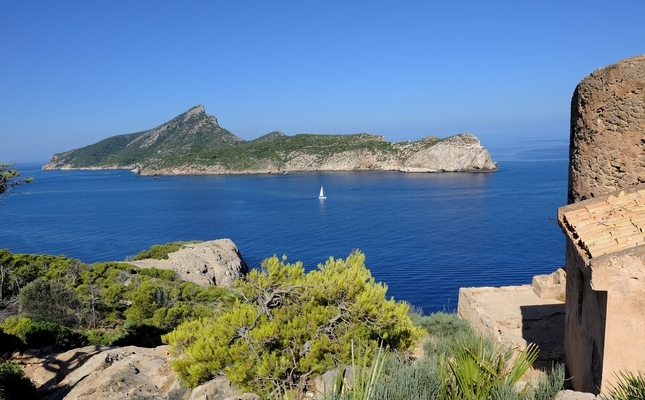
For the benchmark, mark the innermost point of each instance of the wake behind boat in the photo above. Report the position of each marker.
(322, 193)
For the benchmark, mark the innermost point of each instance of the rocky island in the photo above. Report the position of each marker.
(194, 143)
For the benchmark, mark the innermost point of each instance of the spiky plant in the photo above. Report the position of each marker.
(481, 370)
(628, 386)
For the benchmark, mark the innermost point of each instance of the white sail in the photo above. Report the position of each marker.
(322, 193)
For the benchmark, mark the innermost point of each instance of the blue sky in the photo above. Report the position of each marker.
(75, 72)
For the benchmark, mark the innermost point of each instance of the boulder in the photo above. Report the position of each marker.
(220, 389)
(114, 373)
(215, 262)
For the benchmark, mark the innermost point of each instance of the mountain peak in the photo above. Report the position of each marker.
(198, 109)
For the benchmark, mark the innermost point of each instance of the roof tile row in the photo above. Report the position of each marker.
(609, 226)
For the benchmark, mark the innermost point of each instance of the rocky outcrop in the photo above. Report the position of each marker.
(215, 262)
(99, 372)
(115, 373)
(607, 150)
(459, 153)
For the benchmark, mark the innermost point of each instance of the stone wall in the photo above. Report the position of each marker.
(607, 148)
(585, 320)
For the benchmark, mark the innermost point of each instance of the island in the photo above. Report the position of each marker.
(194, 143)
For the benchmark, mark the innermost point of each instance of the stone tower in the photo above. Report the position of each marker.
(604, 226)
(607, 142)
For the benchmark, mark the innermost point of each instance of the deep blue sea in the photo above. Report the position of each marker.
(424, 235)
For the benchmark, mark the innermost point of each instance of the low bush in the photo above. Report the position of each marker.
(158, 251)
(14, 385)
(453, 345)
(43, 334)
(142, 335)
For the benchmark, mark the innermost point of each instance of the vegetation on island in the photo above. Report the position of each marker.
(195, 139)
(272, 334)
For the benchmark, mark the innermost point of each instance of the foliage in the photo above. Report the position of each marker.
(186, 134)
(365, 372)
(98, 299)
(548, 385)
(142, 335)
(628, 386)
(289, 325)
(430, 377)
(403, 380)
(158, 251)
(16, 326)
(441, 324)
(43, 334)
(10, 179)
(52, 301)
(479, 371)
(14, 385)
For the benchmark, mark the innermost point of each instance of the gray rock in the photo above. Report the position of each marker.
(215, 262)
(220, 389)
(99, 372)
(571, 395)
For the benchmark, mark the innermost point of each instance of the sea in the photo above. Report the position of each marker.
(424, 235)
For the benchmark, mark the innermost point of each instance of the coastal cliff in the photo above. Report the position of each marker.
(194, 143)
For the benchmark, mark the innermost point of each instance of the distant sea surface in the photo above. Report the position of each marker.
(424, 235)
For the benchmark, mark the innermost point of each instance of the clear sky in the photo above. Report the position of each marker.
(75, 72)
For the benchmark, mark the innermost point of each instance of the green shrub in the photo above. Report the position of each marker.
(418, 380)
(14, 385)
(432, 377)
(441, 325)
(42, 334)
(289, 325)
(45, 300)
(16, 326)
(142, 335)
(166, 274)
(158, 251)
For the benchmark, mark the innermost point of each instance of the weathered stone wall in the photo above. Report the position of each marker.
(607, 148)
(585, 319)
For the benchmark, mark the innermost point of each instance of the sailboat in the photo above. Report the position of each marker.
(322, 193)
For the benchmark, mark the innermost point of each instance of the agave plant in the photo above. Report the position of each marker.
(481, 370)
(366, 371)
(628, 386)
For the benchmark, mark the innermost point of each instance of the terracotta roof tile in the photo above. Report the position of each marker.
(609, 226)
